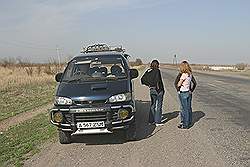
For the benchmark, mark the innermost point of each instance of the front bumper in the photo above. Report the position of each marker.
(108, 114)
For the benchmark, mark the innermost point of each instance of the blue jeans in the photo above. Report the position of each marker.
(186, 108)
(156, 106)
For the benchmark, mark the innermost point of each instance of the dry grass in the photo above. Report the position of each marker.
(23, 88)
(140, 67)
(16, 76)
(244, 73)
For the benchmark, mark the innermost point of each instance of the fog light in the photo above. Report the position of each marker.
(58, 117)
(123, 113)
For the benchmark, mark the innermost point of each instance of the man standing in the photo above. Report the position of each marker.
(152, 78)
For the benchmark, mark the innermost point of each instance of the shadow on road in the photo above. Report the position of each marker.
(143, 129)
(168, 116)
(100, 139)
(197, 115)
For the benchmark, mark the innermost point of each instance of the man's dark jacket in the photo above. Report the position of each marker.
(152, 78)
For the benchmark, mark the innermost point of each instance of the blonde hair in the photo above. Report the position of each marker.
(185, 67)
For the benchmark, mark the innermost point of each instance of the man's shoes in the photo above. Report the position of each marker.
(159, 124)
(151, 123)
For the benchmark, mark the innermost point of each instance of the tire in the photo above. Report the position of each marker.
(64, 137)
(130, 133)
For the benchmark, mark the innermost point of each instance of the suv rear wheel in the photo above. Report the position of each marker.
(64, 137)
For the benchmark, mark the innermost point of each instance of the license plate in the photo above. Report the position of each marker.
(85, 125)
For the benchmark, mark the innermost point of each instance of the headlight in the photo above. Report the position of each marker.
(120, 97)
(58, 117)
(63, 101)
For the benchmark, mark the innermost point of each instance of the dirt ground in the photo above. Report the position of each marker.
(15, 120)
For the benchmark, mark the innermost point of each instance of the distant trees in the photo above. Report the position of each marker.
(240, 66)
(50, 68)
(137, 62)
(6, 62)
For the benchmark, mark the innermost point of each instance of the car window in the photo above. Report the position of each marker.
(95, 69)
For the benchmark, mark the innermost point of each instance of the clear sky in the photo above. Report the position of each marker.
(201, 31)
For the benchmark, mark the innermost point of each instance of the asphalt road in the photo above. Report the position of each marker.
(219, 137)
(225, 101)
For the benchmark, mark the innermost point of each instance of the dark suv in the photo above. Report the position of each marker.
(95, 94)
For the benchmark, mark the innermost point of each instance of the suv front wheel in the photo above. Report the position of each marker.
(64, 137)
(130, 133)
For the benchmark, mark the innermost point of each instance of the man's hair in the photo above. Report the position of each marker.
(154, 64)
(185, 67)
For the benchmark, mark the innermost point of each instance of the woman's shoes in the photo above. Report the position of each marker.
(181, 126)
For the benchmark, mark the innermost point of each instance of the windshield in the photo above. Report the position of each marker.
(91, 68)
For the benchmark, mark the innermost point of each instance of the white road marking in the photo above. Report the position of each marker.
(212, 85)
(219, 81)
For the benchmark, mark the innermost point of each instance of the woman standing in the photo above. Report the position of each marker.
(185, 88)
(152, 78)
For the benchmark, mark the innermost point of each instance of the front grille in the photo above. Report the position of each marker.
(97, 116)
(94, 102)
(88, 117)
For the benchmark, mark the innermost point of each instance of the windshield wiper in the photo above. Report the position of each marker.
(92, 79)
(108, 78)
(78, 79)
(74, 80)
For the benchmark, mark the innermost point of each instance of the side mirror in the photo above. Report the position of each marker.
(58, 77)
(134, 73)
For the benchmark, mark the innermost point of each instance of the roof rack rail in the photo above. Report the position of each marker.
(102, 48)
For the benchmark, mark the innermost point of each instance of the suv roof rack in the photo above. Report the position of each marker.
(102, 48)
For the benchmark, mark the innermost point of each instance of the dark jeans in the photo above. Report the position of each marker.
(186, 108)
(156, 106)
